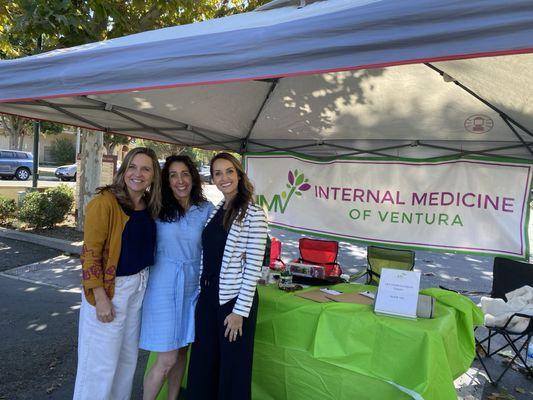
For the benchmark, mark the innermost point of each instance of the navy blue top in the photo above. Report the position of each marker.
(213, 242)
(138, 243)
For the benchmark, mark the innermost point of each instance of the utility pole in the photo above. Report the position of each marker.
(36, 133)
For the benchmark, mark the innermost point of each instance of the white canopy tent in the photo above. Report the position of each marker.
(416, 78)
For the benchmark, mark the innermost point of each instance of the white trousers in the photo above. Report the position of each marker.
(107, 352)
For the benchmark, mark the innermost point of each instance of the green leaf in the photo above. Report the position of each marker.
(299, 180)
(283, 194)
(298, 193)
(288, 186)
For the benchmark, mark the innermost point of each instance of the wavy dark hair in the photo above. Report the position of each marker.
(152, 197)
(245, 191)
(171, 209)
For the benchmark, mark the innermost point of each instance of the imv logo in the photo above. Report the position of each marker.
(297, 184)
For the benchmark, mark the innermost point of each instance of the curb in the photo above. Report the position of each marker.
(58, 244)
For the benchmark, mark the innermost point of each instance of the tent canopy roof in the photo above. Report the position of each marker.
(334, 77)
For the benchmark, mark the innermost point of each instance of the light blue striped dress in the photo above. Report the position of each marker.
(173, 283)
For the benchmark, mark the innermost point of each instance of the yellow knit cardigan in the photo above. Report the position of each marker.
(104, 223)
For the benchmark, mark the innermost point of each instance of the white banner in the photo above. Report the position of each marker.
(468, 205)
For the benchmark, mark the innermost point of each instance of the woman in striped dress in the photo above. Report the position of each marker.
(233, 244)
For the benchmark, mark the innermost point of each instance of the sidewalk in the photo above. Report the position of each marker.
(61, 272)
(58, 244)
(454, 271)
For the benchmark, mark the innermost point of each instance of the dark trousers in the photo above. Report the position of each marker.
(218, 369)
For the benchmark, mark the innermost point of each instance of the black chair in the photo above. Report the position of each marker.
(508, 275)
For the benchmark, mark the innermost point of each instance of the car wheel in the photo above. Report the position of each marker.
(63, 179)
(22, 174)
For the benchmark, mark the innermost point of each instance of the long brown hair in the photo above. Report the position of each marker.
(245, 191)
(171, 209)
(152, 197)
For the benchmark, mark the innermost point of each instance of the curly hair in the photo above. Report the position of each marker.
(245, 191)
(171, 209)
(152, 197)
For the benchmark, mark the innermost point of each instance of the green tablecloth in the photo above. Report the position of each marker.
(308, 350)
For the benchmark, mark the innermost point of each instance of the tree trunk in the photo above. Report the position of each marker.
(12, 138)
(21, 142)
(109, 148)
(16, 129)
(90, 171)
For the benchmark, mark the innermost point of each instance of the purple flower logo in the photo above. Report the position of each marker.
(297, 184)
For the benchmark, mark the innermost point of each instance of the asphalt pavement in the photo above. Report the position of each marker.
(38, 326)
(39, 304)
(14, 253)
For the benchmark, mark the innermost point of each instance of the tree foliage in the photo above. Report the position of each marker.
(51, 128)
(63, 151)
(112, 140)
(65, 23)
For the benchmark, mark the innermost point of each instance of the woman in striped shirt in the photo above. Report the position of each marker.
(233, 248)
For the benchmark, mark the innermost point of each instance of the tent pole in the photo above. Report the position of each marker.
(71, 114)
(353, 151)
(244, 143)
(491, 106)
(144, 126)
(461, 153)
(359, 152)
(36, 134)
(182, 125)
(511, 127)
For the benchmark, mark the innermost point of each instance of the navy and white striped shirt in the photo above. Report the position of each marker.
(243, 259)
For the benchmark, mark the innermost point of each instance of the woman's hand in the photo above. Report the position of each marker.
(104, 308)
(233, 324)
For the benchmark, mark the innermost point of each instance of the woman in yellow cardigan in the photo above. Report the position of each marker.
(119, 244)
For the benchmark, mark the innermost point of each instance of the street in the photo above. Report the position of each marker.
(39, 328)
(46, 179)
(15, 253)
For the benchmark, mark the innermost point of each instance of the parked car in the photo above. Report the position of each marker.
(15, 164)
(66, 172)
(205, 174)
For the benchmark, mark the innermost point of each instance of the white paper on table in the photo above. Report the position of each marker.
(330, 291)
(398, 293)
